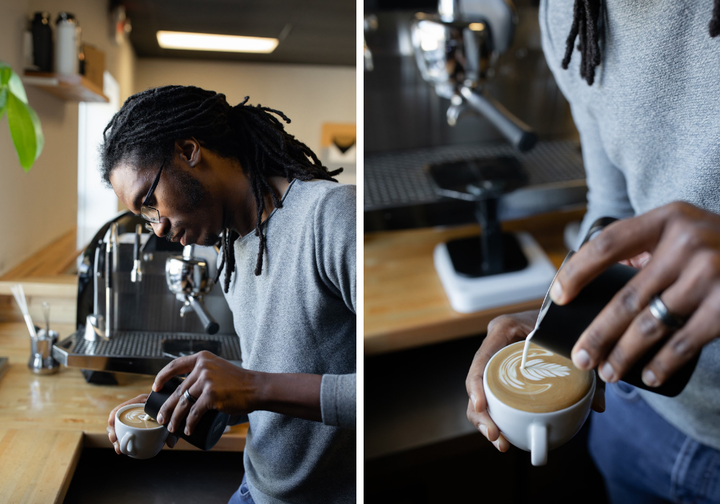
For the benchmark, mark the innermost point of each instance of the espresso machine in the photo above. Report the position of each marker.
(489, 166)
(455, 51)
(143, 301)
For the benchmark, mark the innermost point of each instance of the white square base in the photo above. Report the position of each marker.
(468, 295)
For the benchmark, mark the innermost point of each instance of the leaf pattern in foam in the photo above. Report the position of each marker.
(536, 369)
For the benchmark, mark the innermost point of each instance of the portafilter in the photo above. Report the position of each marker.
(189, 279)
(455, 50)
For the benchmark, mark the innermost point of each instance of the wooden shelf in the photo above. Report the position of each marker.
(67, 87)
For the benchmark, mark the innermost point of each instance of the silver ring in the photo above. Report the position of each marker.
(188, 397)
(661, 312)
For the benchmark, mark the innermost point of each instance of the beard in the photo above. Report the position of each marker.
(195, 200)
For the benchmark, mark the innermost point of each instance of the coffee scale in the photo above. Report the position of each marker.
(455, 51)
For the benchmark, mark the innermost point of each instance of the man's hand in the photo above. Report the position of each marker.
(502, 331)
(217, 384)
(141, 399)
(682, 243)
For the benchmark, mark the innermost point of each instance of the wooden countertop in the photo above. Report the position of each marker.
(46, 420)
(405, 304)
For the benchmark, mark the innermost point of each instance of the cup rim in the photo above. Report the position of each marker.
(487, 390)
(128, 406)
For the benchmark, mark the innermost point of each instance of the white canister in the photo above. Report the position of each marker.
(67, 44)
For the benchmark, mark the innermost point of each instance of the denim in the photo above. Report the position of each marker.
(242, 495)
(644, 459)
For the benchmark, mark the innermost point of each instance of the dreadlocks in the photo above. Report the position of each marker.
(585, 27)
(149, 123)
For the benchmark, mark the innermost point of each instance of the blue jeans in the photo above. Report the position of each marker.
(242, 495)
(644, 459)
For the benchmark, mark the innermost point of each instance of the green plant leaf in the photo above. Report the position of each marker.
(5, 74)
(3, 101)
(16, 87)
(25, 131)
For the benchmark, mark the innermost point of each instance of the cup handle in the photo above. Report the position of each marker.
(127, 445)
(538, 444)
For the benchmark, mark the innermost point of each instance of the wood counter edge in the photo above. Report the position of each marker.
(426, 334)
(234, 440)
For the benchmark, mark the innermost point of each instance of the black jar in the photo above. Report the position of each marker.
(42, 42)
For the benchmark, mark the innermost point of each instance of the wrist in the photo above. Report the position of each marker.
(295, 394)
(262, 390)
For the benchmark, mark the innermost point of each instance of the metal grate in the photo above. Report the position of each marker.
(398, 178)
(148, 344)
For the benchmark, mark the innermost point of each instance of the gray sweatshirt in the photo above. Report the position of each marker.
(650, 133)
(299, 317)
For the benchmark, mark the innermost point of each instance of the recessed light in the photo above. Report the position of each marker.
(211, 42)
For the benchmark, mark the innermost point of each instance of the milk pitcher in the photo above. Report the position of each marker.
(559, 327)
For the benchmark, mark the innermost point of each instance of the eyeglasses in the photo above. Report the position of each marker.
(151, 214)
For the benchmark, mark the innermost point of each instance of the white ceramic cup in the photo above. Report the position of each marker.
(139, 443)
(537, 432)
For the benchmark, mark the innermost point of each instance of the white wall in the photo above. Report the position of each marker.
(40, 206)
(308, 95)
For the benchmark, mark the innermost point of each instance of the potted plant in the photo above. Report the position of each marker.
(25, 130)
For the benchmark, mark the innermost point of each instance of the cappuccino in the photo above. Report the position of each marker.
(136, 417)
(548, 382)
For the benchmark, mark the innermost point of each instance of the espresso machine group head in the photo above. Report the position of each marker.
(455, 50)
(189, 279)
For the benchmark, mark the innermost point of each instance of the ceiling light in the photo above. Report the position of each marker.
(210, 42)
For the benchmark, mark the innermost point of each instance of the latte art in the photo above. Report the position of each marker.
(136, 417)
(536, 369)
(548, 382)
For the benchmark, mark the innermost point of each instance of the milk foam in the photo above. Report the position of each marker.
(535, 369)
(136, 417)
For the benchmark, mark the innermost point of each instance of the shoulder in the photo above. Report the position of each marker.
(322, 196)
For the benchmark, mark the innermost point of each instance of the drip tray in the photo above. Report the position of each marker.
(136, 352)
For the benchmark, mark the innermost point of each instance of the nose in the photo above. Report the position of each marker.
(161, 228)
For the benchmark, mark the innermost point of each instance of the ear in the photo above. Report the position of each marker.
(189, 151)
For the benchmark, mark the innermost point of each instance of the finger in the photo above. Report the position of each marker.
(184, 405)
(172, 440)
(620, 240)
(682, 298)
(197, 411)
(601, 336)
(482, 422)
(501, 444)
(688, 341)
(179, 366)
(167, 412)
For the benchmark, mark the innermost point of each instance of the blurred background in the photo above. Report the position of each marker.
(436, 170)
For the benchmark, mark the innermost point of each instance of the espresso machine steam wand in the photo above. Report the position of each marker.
(455, 51)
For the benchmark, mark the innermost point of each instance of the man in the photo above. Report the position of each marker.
(197, 169)
(645, 98)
